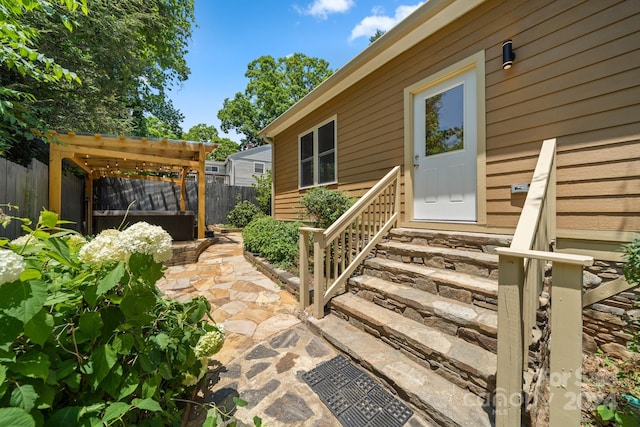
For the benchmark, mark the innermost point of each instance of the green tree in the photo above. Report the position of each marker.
(201, 133)
(128, 54)
(157, 128)
(263, 191)
(226, 147)
(274, 86)
(20, 57)
(379, 33)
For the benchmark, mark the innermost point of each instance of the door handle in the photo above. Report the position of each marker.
(416, 163)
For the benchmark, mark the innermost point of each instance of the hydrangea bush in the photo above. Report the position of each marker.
(86, 338)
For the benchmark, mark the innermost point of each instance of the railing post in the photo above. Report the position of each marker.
(318, 273)
(304, 268)
(551, 197)
(565, 381)
(397, 202)
(510, 342)
(534, 272)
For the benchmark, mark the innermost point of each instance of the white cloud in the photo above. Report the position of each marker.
(323, 8)
(378, 21)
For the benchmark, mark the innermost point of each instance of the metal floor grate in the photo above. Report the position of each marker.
(354, 397)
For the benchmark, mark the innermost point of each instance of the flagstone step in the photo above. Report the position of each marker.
(463, 287)
(463, 261)
(472, 323)
(480, 242)
(461, 362)
(441, 401)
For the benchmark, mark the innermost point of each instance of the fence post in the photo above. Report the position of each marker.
(508, 396)
(565, 381)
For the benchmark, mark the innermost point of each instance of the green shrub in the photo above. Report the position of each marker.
(325, 206)
(276, 241)
(86, 336)
(632, 264)
(243, 213)
(620, 411)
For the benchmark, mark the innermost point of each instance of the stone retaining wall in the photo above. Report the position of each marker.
(188, 252)
(287, 280)
(606, 324)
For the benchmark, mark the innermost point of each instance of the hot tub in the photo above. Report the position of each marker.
(179, 224)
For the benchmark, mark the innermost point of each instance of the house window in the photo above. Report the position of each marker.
(211, 169)
(317, 148)
(258, 168)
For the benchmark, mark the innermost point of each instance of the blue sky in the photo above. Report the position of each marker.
(232, 33)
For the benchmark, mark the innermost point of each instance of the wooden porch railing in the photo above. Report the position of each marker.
(520, 284)
(341, 248)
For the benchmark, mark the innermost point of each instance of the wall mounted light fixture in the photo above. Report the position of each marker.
(508, 55)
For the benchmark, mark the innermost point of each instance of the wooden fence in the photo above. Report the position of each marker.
(118, 193)
(28, 188)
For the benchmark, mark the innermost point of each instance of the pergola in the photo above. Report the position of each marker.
(128, 157)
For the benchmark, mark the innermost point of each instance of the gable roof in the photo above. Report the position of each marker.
(261, 153)
(422, 23)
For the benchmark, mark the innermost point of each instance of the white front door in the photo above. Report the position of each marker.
(445, 150)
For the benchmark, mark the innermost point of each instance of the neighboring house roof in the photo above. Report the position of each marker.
(260, 154)
(422, 23)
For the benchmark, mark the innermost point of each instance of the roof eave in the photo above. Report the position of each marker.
(426, 20)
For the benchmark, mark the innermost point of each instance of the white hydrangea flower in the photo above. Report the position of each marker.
(148, 239)
(113, 245)
(106, 247)
(75, 240)
(210, 343)
(24, 240)
(190, 379)
(11, 266)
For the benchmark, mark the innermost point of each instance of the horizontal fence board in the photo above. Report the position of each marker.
(118, 193)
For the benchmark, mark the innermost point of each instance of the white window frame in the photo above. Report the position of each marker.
(256, 164)
(316, 155)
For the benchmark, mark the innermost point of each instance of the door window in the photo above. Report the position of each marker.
(444, 121)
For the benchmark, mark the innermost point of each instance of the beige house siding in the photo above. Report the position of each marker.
(576, 77)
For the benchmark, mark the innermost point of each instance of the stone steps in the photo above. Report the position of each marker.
(463, 287)
(422, 316)
(480, 264)
(465, 364)
(480, 242)
(441, 401)
(471, 323)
